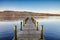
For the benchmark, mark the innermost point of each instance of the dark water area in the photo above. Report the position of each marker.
(51, 28)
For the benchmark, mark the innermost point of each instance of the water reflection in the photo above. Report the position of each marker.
(6, 29)
(51, 27)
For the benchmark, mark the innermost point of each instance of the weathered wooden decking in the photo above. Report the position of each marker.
(28, 32)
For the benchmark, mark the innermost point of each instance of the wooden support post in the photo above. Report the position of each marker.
(15, 32)
(25, 20)
(41, 32)
(37, 26)
(21, 26)
(35, 22)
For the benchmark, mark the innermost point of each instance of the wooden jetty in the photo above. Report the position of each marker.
(28, 31)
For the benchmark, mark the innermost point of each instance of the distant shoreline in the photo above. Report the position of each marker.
(15, 15)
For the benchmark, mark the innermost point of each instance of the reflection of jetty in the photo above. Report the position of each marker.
(29, 31)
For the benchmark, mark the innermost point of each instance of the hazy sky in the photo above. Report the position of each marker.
(45, 6)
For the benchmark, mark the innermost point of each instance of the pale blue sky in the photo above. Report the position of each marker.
(43, 6)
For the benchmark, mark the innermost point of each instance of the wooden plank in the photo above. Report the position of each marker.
(28, 32)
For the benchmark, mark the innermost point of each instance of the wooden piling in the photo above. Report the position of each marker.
(37, 26)
(15, 32)
(32, 19)
(41, 32)
(35, 22)
(21, 26)
(26, 20)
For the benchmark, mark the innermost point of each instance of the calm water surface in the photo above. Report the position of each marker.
(51, 28)
(6, 29)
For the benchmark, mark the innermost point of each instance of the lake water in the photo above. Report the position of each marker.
(51, 28)
(6, 29)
